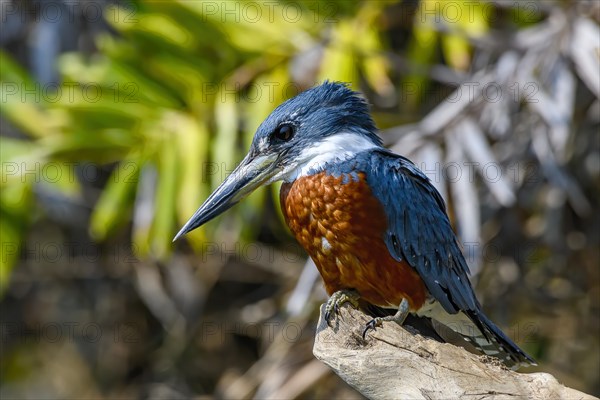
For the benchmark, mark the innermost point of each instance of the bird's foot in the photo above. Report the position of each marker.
(337, 299)
(399, 317)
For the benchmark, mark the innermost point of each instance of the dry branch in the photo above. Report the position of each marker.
(393, 363)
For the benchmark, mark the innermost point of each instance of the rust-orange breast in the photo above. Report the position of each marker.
(341, 225)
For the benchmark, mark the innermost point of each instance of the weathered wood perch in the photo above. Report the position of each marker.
(393, 363)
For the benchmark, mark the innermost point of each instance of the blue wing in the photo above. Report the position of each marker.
(419, 231)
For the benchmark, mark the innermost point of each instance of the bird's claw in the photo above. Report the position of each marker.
(399, 317)
(372, 324)
(337, 299)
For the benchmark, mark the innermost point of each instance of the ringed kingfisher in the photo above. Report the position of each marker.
(372, 222)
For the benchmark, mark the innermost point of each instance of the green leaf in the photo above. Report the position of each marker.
(23, 100)
(225, 150)
(166, 191)
(421, 51)
(15, 212)
(471, 22)
(193, 141)
(339, 59)
(112, 209)
(112, 80)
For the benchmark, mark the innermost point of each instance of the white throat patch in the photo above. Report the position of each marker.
(342, 146)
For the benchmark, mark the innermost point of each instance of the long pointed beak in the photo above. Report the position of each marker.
(247, 177)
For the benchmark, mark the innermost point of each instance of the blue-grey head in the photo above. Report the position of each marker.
(321, 125)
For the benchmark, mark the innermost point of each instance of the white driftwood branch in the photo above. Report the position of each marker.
(393, 363)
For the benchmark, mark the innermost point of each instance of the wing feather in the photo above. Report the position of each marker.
(419, 230)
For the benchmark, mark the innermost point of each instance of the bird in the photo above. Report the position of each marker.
(372, 222)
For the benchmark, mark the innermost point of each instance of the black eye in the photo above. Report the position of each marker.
(284, 132)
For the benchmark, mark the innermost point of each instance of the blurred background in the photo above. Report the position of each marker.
(119, 117)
